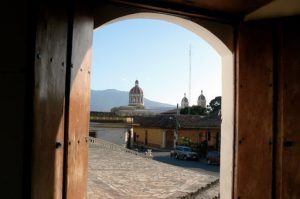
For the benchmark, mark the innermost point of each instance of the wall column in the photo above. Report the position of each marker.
(163, 144)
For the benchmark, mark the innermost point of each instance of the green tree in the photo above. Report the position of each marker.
(194, 110)
(215, 104)
(186, 141)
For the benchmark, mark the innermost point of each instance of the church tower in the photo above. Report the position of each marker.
(184, 102)
(201, 100)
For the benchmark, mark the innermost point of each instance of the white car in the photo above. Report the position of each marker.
(184, 152)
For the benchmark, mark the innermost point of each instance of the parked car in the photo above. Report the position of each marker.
(184, 152)
(213, 157)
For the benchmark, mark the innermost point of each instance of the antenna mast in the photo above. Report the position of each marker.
(190, 71)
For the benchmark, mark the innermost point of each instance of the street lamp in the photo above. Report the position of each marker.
(176, 130)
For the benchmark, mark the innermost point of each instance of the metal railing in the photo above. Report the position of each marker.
(96, 142)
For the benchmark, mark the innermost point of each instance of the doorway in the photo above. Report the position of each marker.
(226, 170)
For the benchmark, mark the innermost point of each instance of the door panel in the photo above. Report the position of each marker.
(49, 102)
(169, 139)
(79, 106)
(253, 172)
(268, 50)
(288, 170)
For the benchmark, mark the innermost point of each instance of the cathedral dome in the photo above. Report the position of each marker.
(136, 90)
(136, 96)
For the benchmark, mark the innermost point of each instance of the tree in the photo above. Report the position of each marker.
(194, 110)
(186, 141)
(215, 104)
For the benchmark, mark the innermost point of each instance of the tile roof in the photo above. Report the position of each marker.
(108, 117)
(184, 121)
(161, 121)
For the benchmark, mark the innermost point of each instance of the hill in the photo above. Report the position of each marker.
(104, 100)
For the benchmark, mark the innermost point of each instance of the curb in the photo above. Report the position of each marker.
(193, 195)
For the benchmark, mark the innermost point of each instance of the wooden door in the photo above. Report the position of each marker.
(253, 171)
(49, 102)
(79, 105)
(169, 139)
(61, 102)
(288, 139)
(268, 95)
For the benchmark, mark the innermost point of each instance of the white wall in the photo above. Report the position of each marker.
(114, 135)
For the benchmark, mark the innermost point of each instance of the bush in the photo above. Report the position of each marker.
(186, 141)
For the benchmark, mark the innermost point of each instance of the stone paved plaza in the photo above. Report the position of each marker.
(117, 174)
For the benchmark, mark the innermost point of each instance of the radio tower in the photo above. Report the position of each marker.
(190, 71)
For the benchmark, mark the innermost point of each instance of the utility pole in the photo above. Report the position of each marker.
(176, 123)
(190, 72)
(176, 127)
(190, 77)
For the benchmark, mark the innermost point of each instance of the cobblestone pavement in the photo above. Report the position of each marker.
(211, 193)
(115, 174)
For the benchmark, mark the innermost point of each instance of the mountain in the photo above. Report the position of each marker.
(104, 100)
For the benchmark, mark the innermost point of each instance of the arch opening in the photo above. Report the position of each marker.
(227, 126)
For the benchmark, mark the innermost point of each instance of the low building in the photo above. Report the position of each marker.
(111, 127)
(167, 131)
(154, 131)
(199, 129)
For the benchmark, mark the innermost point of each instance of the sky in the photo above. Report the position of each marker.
(157, 54)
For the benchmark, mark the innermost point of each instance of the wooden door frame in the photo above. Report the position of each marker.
(75, 141)
(56, 64)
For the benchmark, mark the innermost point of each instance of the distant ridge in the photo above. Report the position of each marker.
(104, 100)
